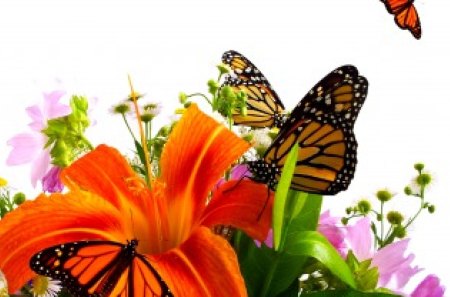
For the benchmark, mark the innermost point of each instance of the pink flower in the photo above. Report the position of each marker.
(51, 182)
(269, 240)
(29, 147)
(429, 287)
(394, 267)
(238, 172)
(331, 228)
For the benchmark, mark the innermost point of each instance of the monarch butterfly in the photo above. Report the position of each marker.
(100, 269)
(406, 16)
(342, 91)
(264, 107)
(322, 126)
(327, 157)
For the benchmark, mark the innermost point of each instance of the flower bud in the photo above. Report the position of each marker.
(147, 117)
(419, 166)
(431, 208)
(182, 97)
(344, 221)
(348, 210)
(384, 195)
(400, 231)
(244, 111)
(19, 198)
(121, 108)
(408, 190)
(394, 217)
(379, 217)
(223, 69)
(423, 179)
(364, 206)
(213, 86)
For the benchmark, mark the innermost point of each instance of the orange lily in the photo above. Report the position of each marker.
(172, 221)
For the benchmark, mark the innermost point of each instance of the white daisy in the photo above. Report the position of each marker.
(42, 286)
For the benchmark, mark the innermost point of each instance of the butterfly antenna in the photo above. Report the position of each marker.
(148, 168)
(239, 181)
(265, 203)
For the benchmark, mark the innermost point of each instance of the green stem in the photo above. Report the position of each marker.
(128, 127)
(201, 95)
(382, 221)
(422, 203)
(269, 277)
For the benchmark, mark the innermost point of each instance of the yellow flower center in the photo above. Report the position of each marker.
(40, 285)
(3, 182)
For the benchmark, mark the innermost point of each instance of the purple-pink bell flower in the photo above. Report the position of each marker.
(429, 287)
(28, 147)
(51, 182)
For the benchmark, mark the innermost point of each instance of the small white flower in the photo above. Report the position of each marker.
(261, 138)
(3, 286)
(43, 286)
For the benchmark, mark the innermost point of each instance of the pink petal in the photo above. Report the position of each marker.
(40, 166)
(268, 241)
(26, 147)
(52, 108)
(429, 287)
(360, 239)
(37, 118)
(393, 266)
(51, 182)
(335, 233)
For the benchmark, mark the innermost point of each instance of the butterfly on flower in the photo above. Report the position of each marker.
(406, 16)
(321, 125)
(100, 269)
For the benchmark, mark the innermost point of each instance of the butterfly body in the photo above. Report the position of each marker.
(100, 269)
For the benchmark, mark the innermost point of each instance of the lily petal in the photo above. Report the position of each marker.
(105, 172)
(193, 162)
(48, 221)
(205, 265)
(242, 204)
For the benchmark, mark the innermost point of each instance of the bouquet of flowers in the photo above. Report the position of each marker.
(202, 207)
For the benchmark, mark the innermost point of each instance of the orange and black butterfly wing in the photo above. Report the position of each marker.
(327, 154)
(264, 107)
(99, 268)
(342, 92)
(406, 16)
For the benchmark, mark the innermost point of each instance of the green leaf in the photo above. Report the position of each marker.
(313, 244)
(282, 194)
(346, 293)
(268, 273)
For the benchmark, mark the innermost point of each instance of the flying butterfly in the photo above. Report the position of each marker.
(406, 16)
(342, 92)
(100, 269)
(322, 126)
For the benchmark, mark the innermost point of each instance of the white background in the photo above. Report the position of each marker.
(172, 46)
